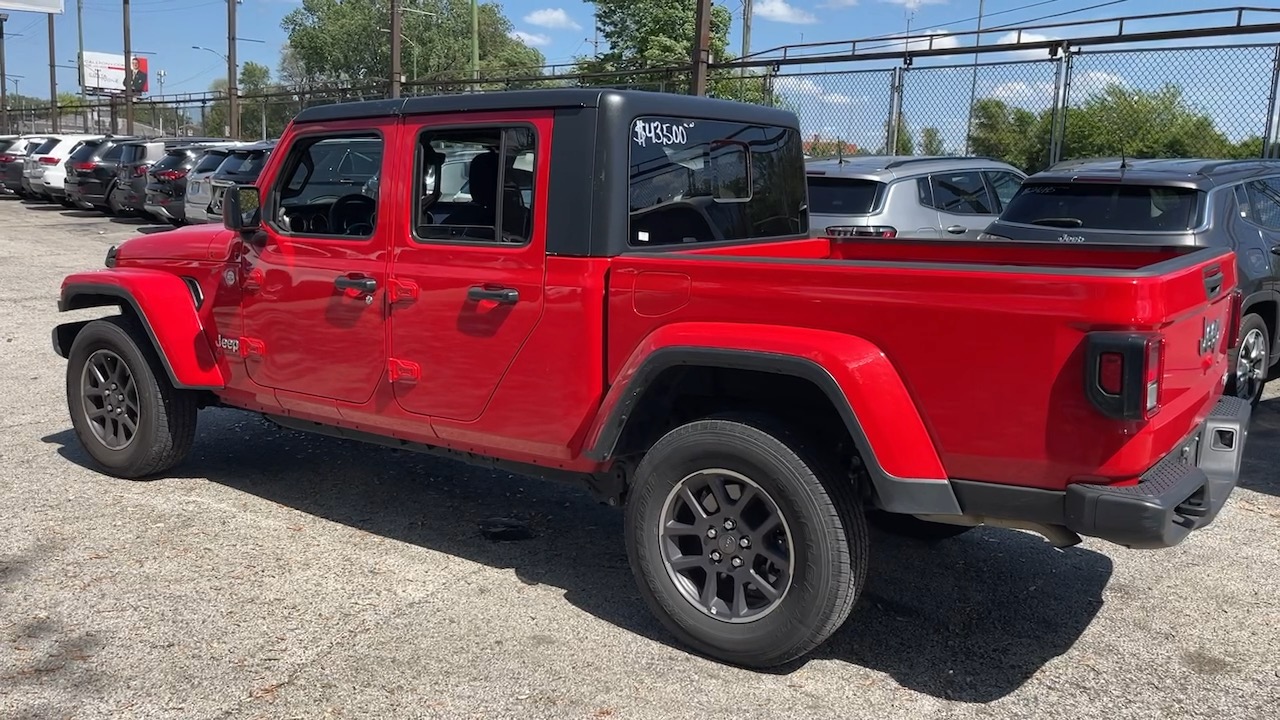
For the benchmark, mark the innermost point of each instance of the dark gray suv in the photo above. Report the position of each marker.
(1226, 203)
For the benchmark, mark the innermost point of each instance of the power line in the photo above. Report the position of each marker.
(1061, 14)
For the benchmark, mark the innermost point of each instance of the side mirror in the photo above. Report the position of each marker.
(242, 208)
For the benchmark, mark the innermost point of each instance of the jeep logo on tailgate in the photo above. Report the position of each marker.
(1210, 336)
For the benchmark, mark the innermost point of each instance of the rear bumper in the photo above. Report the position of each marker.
(1180, 494)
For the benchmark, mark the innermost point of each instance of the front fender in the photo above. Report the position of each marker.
(853, 373)
(164, 305)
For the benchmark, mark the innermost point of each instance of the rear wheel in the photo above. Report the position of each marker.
(746, 543)
(1251, 360)
(125, 412)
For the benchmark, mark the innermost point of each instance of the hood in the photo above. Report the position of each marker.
(193, 242)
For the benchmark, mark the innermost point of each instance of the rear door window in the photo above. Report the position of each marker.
(961, 193)
(1264, 202)
(843, 196)
(1105, 206)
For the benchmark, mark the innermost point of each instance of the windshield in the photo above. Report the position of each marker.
(1104, 206)
(210, 161)
(86, 151)
(842, 196)
(172, 160)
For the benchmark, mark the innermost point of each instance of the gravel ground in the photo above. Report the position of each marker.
(282, 575)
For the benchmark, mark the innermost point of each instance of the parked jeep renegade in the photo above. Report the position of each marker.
(630, 296)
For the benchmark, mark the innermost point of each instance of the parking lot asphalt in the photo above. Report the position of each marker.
(282, 575)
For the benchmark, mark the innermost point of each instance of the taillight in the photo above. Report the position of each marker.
(49, 160)
(140, 170)
(1234, 317)
(171, 174)
(8, 158)
(1124, 373)
(845, 231)
(85, 166)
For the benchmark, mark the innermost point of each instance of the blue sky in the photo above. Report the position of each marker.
(562, 29)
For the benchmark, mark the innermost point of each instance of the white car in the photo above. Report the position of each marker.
(47, 171)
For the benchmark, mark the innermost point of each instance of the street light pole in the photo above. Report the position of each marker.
(55, 116)
(973, 81)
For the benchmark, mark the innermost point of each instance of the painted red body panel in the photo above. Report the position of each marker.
(164, 300)
(875, 392)
(960, 360)
(992, 360)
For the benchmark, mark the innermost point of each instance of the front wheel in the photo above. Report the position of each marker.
(746, 542)
(126, 413)
(1251, 361)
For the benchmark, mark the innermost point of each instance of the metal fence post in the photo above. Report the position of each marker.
(1271, 135)
(1061, 101)
(895, 110)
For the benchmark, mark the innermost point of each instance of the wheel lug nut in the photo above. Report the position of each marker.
(119, 410)
(715, 555)
(729, 524)
(736, 562)
(744, 543)
(711, 532)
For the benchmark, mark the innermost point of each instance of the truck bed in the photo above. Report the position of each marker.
(989, 339)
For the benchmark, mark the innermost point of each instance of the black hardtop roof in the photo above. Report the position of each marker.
(629, 103)
(1199, 173)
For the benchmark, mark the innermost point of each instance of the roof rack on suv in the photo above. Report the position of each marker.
(932, 158)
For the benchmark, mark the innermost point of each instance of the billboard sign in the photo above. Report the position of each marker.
(43, 6)
(105, 73)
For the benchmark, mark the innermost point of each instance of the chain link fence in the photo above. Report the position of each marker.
(1032, 111)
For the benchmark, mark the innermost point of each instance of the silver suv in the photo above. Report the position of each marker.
(912, 196)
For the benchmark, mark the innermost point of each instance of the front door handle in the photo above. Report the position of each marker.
(362, 284)
(506, 296)
(957, 229)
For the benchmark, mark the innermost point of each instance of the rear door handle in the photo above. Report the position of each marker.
(957, 229)
(348, 282)
(506, 296)
(1275, 249)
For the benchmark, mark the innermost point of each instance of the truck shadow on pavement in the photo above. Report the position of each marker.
(1260, 471)
(969, 619)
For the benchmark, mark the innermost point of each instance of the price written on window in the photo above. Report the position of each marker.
(660, 133)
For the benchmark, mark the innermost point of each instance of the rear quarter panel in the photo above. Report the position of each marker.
(993, 359)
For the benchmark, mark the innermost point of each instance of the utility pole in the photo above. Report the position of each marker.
(160, 75)
(54, 113)
(4, 80)
(128, 73)
(701, 55)
(746, 31)
(396, 19)
(475, 45)
(233, 93)
(84, 93)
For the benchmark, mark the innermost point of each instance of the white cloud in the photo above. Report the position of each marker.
(806, 86)
(915, 4)
(555, 18)
(783, 12)
(935, 39)
(531, 39)
(1040, 95)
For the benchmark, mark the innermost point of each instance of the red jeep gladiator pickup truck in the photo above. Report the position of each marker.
(622, 288)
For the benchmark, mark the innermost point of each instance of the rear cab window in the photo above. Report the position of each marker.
(46, 147)
(173, 159)
(86, 151)
(1121, 207)
(695, 181)
(209, 161)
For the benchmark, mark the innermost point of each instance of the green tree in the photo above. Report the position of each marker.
(931, 142)
(1017, 136)
(649, 44)
(348, 42)
(906, 144)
